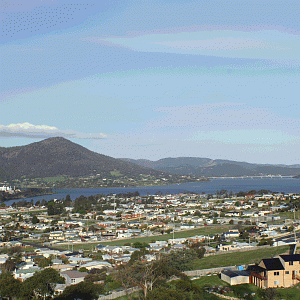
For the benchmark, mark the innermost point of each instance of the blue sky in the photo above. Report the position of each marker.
(153, 79)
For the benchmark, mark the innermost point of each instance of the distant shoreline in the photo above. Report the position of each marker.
(253, 177)
(27, 193)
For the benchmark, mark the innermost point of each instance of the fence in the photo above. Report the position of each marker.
(209, 271)
(115, 295)
(237, 250)
(203, 272)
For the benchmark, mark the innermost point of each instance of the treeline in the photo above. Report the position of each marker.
(254, 192)
(29, 192)
(42, 286)
(152, 277)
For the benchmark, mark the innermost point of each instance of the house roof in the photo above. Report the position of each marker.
(292, 257)
(231, 273)
(74, 274)
(273, 264)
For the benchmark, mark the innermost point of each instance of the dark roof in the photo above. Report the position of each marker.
(255, 268)
(273, 264)
(292, 257)
(232, 273)
(73, 253)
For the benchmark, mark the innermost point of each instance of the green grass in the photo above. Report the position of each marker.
(53, 179)
(209, 280)
(76, 247)
(187, 233)
(181, 234)
(237, 258)
(239, 290)
(115, 173)
(290, 293)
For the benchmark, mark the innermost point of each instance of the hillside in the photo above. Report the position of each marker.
(59, 156)
(195, 166)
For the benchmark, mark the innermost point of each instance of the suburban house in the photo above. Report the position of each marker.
(281, 271)
(73, 277)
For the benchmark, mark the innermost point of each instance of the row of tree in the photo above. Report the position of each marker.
(42, 286)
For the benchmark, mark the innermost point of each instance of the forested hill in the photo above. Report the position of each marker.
(59, 156)
(197, 166)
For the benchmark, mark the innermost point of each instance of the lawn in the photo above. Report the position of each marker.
(209, 281)
(115, 173)
(237, 258)
(207, 230)
(181, 234)
(239, 290)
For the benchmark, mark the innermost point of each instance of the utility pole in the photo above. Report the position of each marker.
(173, 231)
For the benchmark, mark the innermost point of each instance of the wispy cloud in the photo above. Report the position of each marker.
(253, 44)
(43, 131)
(226, 122)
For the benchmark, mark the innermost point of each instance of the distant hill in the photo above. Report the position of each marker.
(195, 166)
(59, 156)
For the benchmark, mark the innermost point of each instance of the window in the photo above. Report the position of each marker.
(287, 272)
(276, 282)
(276, 273)
(290, 263)
(72, 280)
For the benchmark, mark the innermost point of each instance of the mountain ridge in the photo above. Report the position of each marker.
(59, 156)
(200, 166)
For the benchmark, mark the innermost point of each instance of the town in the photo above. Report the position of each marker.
(229, 238)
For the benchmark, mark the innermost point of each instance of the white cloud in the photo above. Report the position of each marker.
(43, 131)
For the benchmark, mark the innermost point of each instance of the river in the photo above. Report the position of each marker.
(275, 184)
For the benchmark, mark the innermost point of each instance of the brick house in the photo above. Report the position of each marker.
(281, 271)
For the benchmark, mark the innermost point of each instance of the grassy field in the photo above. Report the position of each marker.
(237, 258)
(53, 179)
(207, 230)
(239, 290)
(148, 239)
(115, 173)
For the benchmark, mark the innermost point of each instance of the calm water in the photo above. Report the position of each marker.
(286, 185)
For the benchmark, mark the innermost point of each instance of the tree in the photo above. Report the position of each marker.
(185, 290)
(68, 200)
(44, 262)
(264, 241)
(41, 284)
(144, 274)
(244, 235)
(136, 255)
(34, 220)
(181, 260)
(83, 269)
(83, 291)
(9, 265)
(9, 286)
(140, 245)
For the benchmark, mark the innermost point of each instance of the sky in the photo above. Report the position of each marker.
(153, 78)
